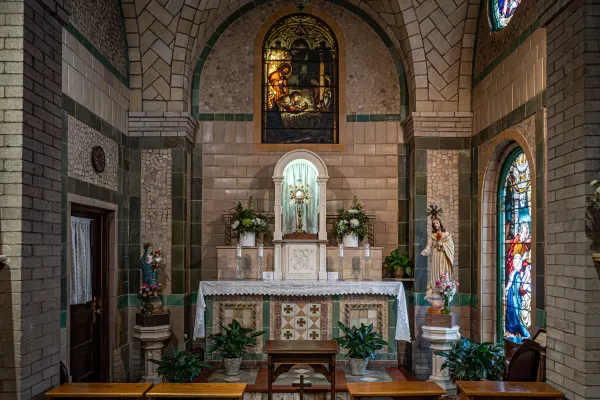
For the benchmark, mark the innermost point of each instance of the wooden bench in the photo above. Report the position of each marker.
(197, 390)
(412, 390)
(478, 390)
(99, 390)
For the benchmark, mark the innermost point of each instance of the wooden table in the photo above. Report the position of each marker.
(396, 390)
(99, 390)
(492, 390)
(198, 390)
(287, 353)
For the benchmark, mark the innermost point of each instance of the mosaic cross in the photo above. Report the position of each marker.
(301, 322)
(287, 309)
(314, 335)
(314, 309)
(287, 335)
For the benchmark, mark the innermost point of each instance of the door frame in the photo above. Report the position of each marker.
(110, 212)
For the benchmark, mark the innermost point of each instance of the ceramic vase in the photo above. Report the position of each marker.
(358, 366)
(248, 239)
(350, 240)
(232, 365)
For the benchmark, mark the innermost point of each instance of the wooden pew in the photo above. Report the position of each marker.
(479, 390)
(396, 390)
(99, 390)
(197, 390)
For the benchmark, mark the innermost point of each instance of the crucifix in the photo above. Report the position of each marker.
(299, 195)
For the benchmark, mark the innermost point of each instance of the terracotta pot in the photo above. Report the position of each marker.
(399, 273)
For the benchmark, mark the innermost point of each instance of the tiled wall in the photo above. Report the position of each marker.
(89, 82)
(514, 81)
(232, 172)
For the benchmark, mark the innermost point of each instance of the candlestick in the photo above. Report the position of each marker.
(238, 259)
(341, 250)
(367, 251)
(261, 250)
(261, 256)
(238, 251)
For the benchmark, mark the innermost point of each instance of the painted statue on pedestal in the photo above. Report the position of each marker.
(150, 267)
(440, 247)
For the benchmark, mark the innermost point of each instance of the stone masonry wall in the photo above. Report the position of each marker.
(30, 195)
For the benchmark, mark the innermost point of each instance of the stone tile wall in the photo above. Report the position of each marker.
(82, 139)
(515, 80)
(89, 82)
(232, 172)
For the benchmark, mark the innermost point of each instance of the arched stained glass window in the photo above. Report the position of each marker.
(501, 11)
(514, 248)
(300, 82)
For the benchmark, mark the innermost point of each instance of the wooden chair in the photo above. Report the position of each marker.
(396, 390)
(510, 348)
(99, 390)
(525, 363)
(197, 391)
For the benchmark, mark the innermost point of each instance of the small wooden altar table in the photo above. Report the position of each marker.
(478, 390)
(287, 353)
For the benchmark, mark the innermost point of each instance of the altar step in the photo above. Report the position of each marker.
(257, 381)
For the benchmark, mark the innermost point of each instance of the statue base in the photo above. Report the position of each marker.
(438, 319)
(441, 339)
(152, 330)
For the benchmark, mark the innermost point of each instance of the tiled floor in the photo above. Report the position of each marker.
(257, 379)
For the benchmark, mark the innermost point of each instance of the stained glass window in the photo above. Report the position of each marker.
(300, 82)
(514, 248)
(501, 11)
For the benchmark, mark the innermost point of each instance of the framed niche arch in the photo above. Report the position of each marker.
(507, 251)
(300, 77)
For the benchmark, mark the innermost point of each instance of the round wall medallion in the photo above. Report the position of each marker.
(98, 159)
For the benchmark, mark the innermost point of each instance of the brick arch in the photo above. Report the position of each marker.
(498, 150)
(391, 42)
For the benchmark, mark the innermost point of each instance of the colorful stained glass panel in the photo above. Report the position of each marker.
(300, 82)
(514, 248)
(501, 12)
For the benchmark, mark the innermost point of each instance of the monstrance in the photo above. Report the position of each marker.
(299, 195)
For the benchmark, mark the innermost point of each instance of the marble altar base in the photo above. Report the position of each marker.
(441, 339)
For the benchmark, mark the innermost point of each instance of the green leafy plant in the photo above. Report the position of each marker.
(234, 340)
(247, 220)
(396, 260)
(352, 221)
(470, 360)
(180, 366)
(360, 342)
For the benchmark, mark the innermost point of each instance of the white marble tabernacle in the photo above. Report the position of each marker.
(303, 288)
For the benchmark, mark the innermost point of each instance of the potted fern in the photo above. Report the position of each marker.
(232, 343)
(398, 264)
(470, 360)
(180, 366)
(361, 343)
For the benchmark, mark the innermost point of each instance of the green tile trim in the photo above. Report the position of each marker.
(212, 41)
(540, 318)
(373, 118)
(511, 48)
(88, 117)
(81, 188)
(124, 79)
(459, 300)
(63, 319)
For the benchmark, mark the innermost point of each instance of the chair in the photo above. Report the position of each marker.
(64, 373)
(525, 363)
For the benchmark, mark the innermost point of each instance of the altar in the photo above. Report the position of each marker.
(303, 310)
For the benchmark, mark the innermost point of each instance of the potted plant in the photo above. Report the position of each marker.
(246, 224)
(148, 295)
(180, 366)
(398, 264)
(361, 344)
(351, 225)
(232, 343)
(470, 360)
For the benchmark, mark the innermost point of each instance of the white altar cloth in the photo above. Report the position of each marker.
(303, 288)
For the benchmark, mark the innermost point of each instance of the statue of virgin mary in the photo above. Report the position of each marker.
(440, 247)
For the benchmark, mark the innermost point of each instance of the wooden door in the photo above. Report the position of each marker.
(89, 339)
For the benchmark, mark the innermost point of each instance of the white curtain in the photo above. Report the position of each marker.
(300, 174)
(81, 273)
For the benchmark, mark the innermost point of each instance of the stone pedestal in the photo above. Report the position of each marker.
(441, 340)
(153, 339)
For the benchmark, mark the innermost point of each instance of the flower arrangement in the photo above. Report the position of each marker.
(147, 296)
(447, 289)
(352, 221)
(246, 220)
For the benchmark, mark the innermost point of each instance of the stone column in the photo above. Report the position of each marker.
(153, 341)
(30, 203)
(573, 160)
(441, 339)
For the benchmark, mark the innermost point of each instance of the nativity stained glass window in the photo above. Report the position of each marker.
(300, 82)
(501, 11)
(514, 248)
